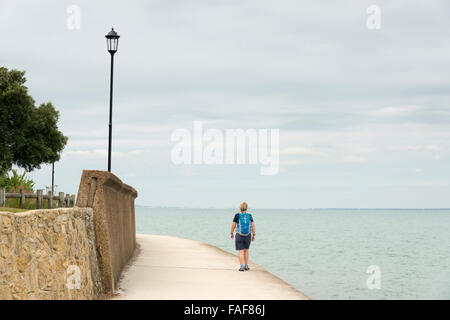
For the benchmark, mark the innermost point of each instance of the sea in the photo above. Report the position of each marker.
(330, 253)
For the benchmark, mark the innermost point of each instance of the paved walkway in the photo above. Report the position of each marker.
(175, 268)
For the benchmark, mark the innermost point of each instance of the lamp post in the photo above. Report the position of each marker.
(112, 41)
(53, 177)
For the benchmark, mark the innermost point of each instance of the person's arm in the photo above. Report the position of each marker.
(233, 226)
(254, 231)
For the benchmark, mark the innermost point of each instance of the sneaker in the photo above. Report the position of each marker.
(247, 268)
(241, 269)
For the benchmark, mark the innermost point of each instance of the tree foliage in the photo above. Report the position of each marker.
(29, 135)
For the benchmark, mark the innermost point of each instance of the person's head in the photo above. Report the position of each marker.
(243, 206)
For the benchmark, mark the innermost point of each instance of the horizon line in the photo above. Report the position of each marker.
(311, 208)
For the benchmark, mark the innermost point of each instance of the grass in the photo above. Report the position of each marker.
(13, 210)
(30, 204)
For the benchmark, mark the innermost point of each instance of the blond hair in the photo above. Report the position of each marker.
(243, 206)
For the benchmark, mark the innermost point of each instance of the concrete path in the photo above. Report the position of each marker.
(176, 269)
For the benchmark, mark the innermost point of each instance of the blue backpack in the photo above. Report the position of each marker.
(244, 224)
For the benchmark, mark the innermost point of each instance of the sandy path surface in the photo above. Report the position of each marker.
(175, 268)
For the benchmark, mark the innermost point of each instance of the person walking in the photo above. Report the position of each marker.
(245, 227)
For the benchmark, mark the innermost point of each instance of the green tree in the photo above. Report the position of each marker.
(29, 135)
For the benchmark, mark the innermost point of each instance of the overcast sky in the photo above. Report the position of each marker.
(364, 115)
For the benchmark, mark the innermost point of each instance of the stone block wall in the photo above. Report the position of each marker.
(48, 254)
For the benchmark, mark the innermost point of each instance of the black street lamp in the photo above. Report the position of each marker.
(112, 41)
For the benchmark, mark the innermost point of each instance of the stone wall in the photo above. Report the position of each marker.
(114, 222)
(48, 254)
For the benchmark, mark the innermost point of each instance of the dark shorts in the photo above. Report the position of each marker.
(243, 242)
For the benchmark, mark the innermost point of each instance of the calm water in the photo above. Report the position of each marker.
(326, 253)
